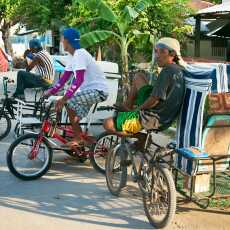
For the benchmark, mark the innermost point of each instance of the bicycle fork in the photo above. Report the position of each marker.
(35, 148)
(140, 171)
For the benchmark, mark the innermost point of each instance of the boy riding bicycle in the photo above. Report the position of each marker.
(88, 87)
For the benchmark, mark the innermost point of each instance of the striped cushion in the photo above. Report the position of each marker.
(220, 79)
(218, 73)
(190, 121)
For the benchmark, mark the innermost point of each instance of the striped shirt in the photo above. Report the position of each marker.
(45, 68)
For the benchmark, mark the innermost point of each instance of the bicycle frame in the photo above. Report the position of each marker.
(9, 104)
(145, 156)
(48, 131)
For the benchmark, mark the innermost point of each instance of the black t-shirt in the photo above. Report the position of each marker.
(169, 88)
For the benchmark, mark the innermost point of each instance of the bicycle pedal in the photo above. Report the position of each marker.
(126, 163)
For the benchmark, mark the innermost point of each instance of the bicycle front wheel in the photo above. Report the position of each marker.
(160, 201)
(5, 125)
(116, 170)
(29, 157)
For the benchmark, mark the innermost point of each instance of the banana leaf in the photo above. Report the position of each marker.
(94, 37)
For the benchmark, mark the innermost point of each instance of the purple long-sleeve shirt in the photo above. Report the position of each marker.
(74, 86)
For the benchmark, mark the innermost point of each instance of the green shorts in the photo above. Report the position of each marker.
(142, 94)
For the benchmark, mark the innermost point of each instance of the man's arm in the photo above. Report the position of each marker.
(60, 84)
(159, 91)
(34, 62)
(149, 103)
(77, 82)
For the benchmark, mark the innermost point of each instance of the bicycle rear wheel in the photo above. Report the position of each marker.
(5, 125)
(105, 142)
(160, 202)
(116, 170)
(29, 157)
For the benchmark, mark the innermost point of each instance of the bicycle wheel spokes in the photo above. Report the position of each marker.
(102, 147)
(160, 202)
(158, 198)
(30, 157)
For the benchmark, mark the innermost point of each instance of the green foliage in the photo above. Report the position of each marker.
(159, 18)
(43, 15)
(8, 11)
(114, 24)
(132, 20)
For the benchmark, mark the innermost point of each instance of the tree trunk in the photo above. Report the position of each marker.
(125, 70)
(6, 40)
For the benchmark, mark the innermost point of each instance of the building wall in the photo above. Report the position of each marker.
(207, 51)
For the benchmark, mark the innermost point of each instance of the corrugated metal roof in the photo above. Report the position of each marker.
(220, 8)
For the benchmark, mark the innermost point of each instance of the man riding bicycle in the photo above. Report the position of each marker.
(88, 87)
(159, 104)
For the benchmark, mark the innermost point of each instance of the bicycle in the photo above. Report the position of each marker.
(152, 173)
(30, 156)
(11, 109)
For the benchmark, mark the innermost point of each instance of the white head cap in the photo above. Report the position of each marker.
(171, 44)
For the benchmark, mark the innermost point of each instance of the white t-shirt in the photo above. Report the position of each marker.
(94, 77)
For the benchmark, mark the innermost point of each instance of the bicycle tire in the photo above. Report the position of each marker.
(16, 131)
(14, 169)
(117, 151)
(106, 141)
(171, 200)
(8, 125)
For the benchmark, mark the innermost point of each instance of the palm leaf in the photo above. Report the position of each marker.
(143, 38)
(94, 37)
(142, 5)
(130, 13)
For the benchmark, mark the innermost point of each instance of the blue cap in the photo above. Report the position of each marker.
(73, 37)
(35, 44)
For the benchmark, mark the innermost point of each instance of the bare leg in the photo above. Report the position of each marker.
(139, 81)
(74, 120)
(110, 126)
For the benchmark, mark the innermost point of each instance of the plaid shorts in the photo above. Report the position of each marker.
(82, 101)
(149, 120)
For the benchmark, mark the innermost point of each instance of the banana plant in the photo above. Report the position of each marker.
(119, 28)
